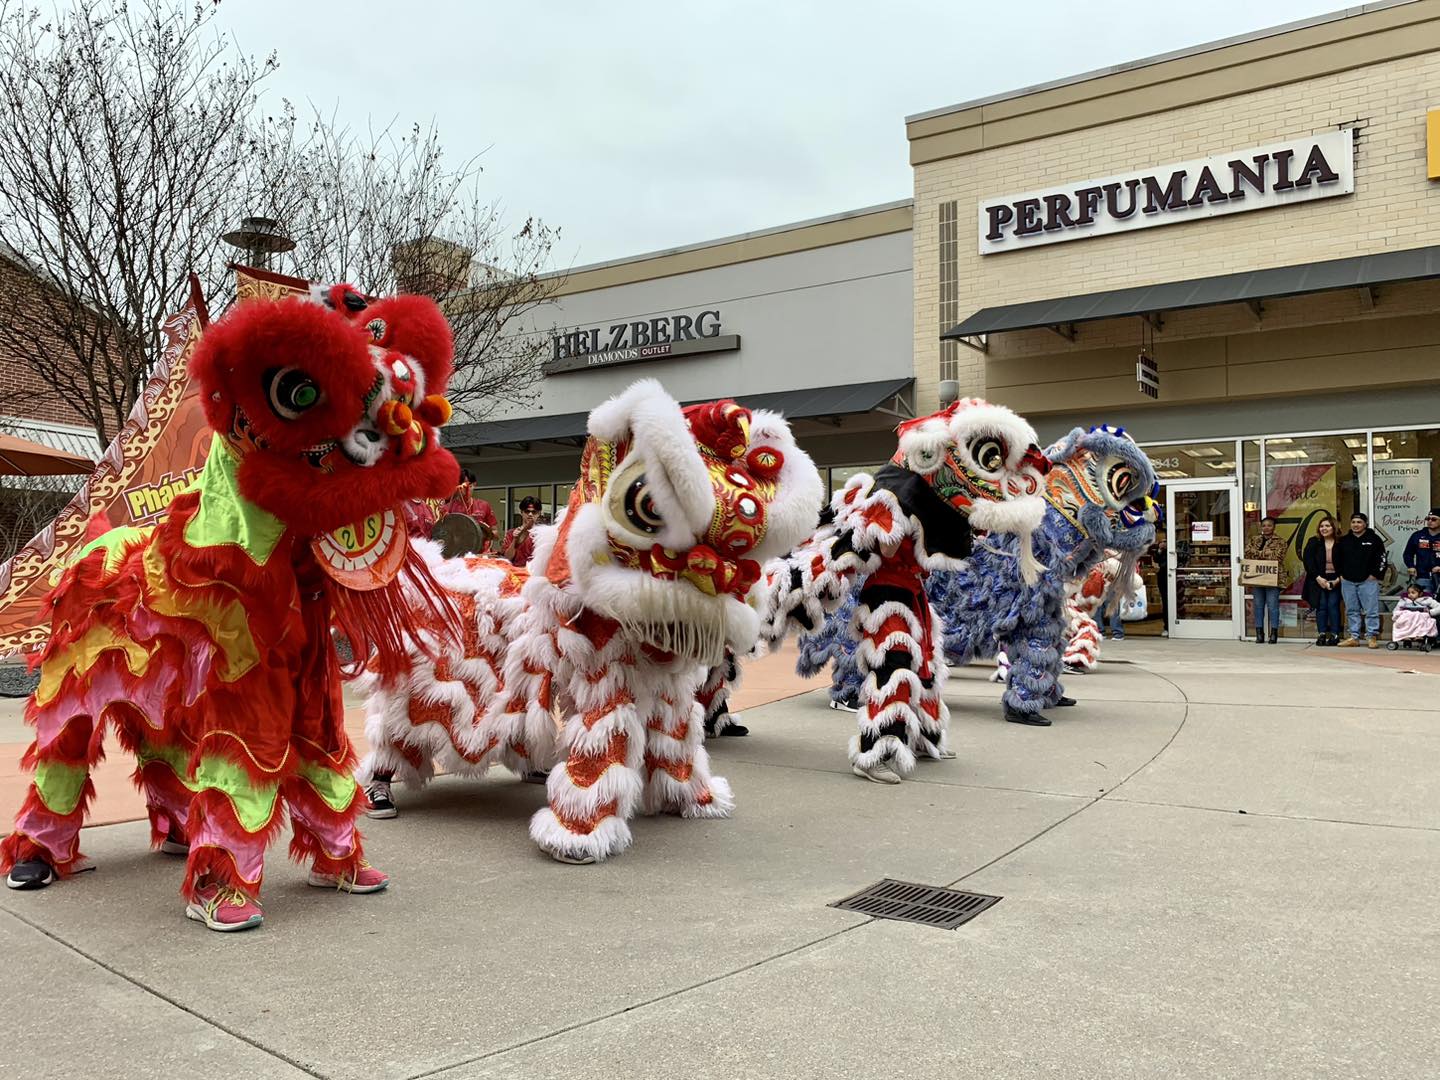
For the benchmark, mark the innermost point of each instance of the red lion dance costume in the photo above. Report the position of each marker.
(205, 640)
(611, 627)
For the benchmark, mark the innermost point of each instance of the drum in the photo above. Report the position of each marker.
(459, 534)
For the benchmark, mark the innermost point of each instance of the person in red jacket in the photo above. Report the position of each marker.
(519, 542)
(465, 501)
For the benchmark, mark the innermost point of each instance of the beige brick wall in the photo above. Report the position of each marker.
(1393, 207)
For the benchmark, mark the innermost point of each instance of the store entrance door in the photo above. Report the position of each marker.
(1201, 523)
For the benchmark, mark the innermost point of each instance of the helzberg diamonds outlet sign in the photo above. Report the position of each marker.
(1299, 170)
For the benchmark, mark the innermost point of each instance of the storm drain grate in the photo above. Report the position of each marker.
(927, 904)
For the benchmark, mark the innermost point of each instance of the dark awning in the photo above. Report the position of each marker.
(793, 404)
(1365, 271)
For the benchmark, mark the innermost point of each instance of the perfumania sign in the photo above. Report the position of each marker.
(1300, 170)
(628, 342)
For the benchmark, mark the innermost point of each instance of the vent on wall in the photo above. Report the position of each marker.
(949, 253)
(926, 904)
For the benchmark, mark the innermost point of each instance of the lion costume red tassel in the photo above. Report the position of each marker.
(206, 639)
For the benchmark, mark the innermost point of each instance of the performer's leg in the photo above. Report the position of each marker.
(714, 698)
(324, 802)
(890, 659)
(597, 789)
(846, 679)
(677, 768)
(233, 816)
(46, 841)
(158, 773)
(932, 714)
(1035, 660)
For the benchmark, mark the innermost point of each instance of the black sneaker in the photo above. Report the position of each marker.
(32, 874)
(1065, 701)
(735, 729)
(848, 704)
(381, 805)
(1030, 719)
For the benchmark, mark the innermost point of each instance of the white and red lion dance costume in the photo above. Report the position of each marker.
(590, 658)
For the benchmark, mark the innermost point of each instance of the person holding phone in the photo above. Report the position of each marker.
(519, 543)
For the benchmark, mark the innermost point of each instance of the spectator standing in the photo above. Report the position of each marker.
(1322, 581)
(1360, 560)
(1266, 545)
(1422, 552)
(519, 544)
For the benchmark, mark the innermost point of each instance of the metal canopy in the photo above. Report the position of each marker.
(1362, 272)
(793, 404)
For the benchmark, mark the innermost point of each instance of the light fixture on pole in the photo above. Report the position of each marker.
(259, 238)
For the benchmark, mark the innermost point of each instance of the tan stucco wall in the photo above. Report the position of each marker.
(1330, 341)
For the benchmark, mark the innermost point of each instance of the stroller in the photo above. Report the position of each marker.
(1414, 623)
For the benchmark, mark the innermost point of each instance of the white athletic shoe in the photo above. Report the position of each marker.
(877, 774)
(573, 860)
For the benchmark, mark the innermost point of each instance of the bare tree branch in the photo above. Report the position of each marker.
(135, 136)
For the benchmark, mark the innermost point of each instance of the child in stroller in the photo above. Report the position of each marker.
(1414, 619)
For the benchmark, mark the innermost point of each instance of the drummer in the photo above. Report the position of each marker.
(464, 501)
(519, 543)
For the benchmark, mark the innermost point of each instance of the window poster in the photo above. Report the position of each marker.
(1402, 496)
(1297, 497)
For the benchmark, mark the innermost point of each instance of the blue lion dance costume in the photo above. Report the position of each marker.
(1099, 494)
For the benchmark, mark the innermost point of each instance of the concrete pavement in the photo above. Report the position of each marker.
(1221, 864)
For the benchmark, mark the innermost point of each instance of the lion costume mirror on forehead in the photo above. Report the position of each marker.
(645, 582)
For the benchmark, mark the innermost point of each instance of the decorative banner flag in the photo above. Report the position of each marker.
(157, 454)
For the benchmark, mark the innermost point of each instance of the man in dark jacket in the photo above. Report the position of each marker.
(1422, 553)
(1360, 562)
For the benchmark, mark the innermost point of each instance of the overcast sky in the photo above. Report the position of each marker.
(640, 124)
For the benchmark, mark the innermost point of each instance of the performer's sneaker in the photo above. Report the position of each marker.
(878, 774)
(224, 908)
(534, 776)
(37, 873)
(1065, 701)
(1033, 719)
(845, 704)
(173, 845)
(365, 880)
(736, 730)
(381, 804)
(573, 860)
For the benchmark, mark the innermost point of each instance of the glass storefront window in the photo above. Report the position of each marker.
(1407, 485)
(1307, 477)
(1250, 495)
(562, 500)
(1193, 461)
(841, 474)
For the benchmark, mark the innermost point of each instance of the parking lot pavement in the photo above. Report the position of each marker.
(1220, 864)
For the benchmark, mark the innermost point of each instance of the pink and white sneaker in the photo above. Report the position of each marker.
(224, 908)
(365, 880)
